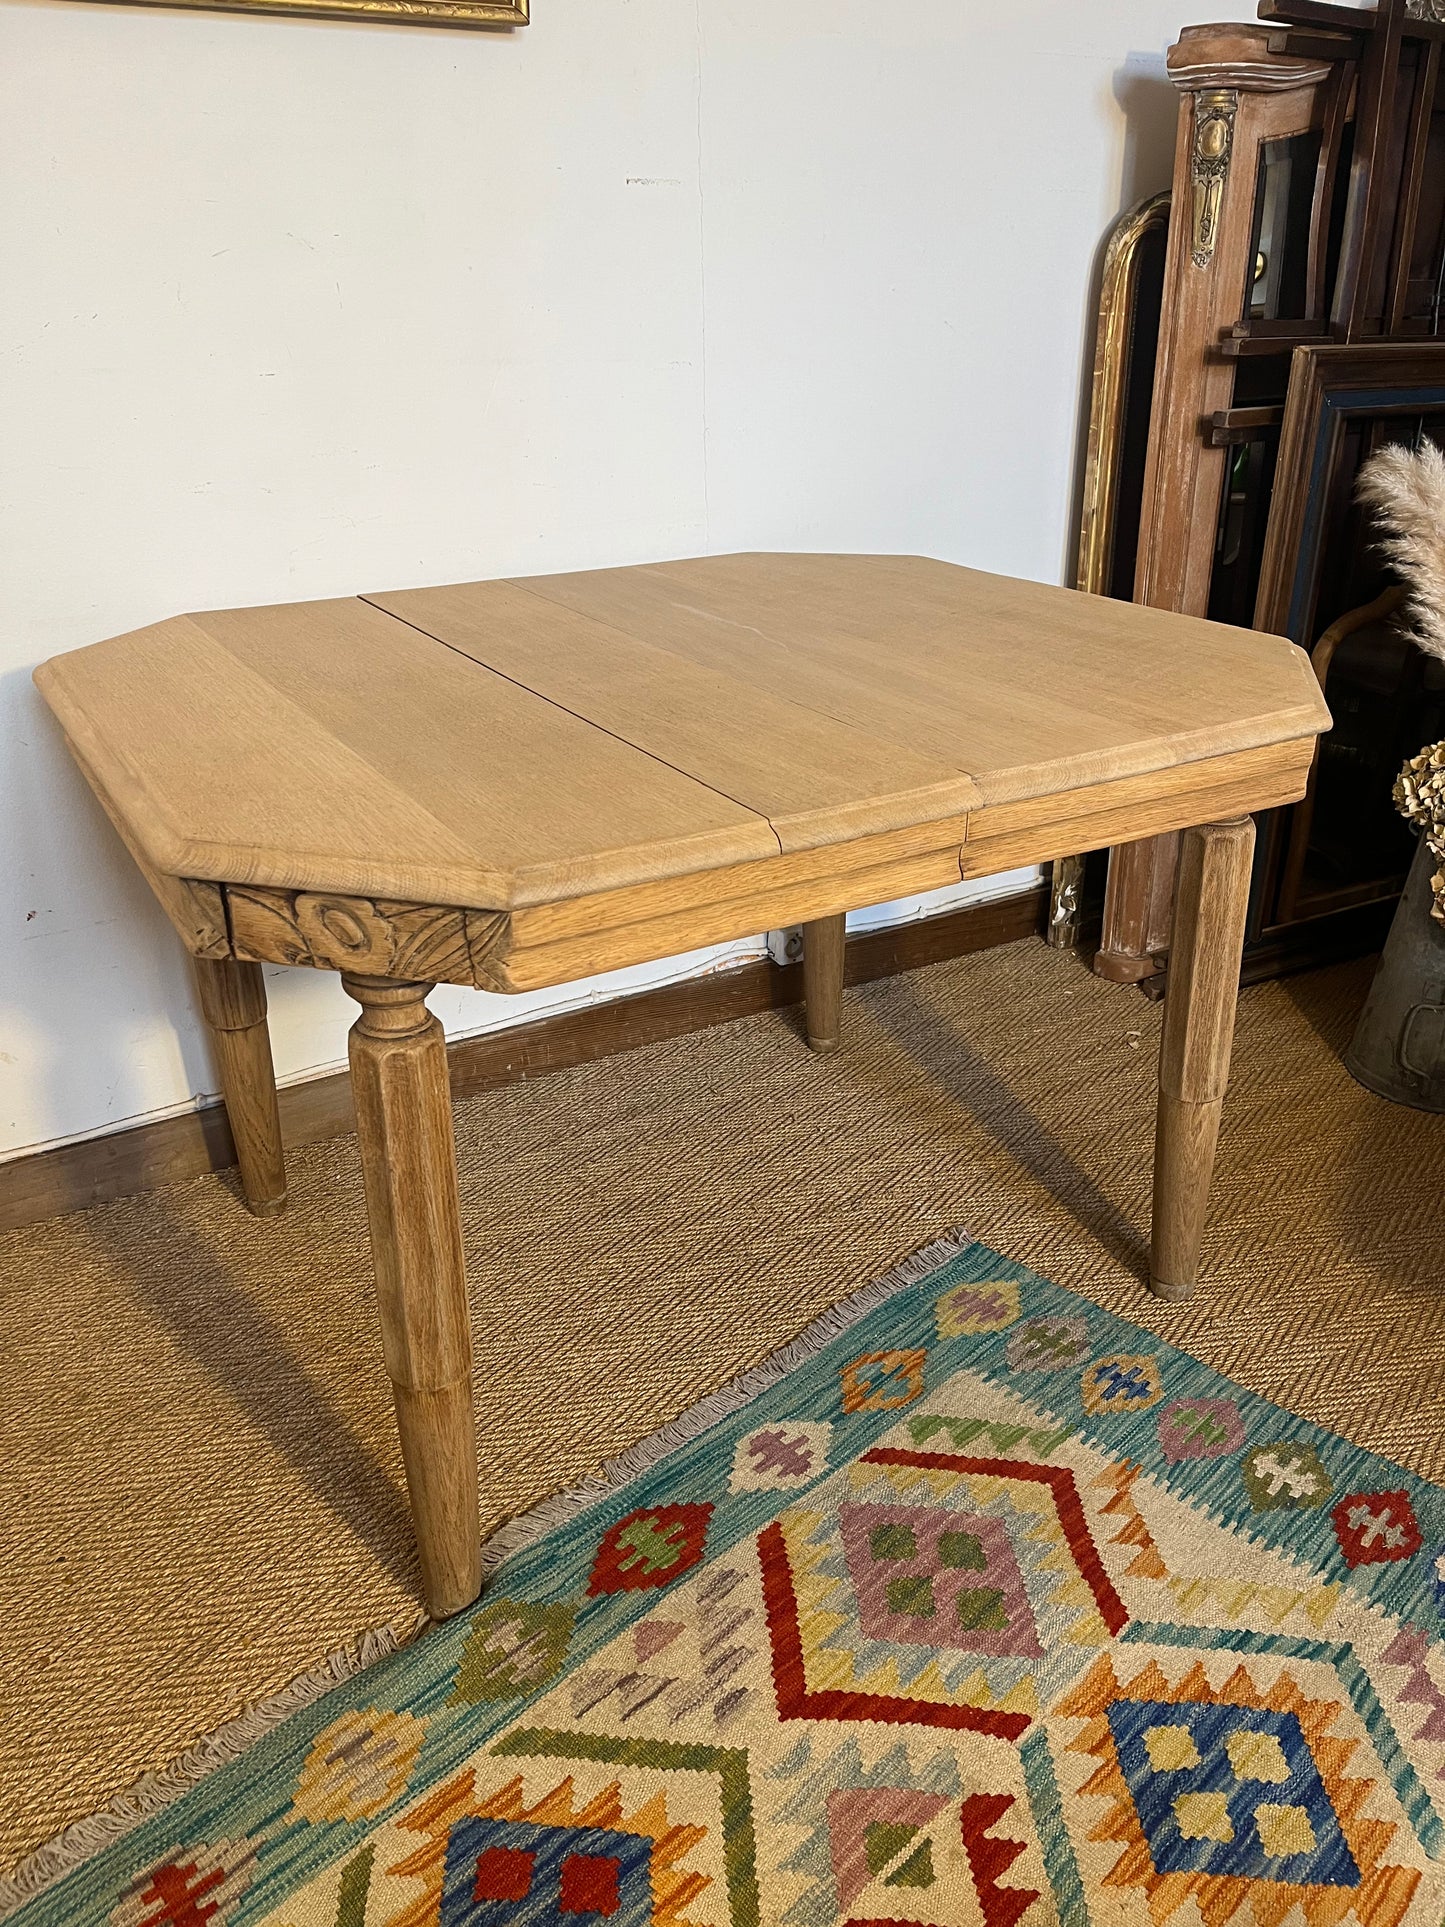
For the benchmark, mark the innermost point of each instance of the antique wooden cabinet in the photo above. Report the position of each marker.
(1303, 300)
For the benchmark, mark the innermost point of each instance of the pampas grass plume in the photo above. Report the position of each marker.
(1405, 490)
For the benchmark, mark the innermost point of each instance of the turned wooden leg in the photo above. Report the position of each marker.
(408, 1159)
(233, 1001)
(823, 982)
(1199, 1002)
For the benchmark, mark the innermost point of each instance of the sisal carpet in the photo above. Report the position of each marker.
(200, 1491)
(976, 1607)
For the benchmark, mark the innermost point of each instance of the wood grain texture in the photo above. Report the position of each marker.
(1136, 806)
(1243, 56)
(545, 950)
(1276, 96)
(374, 939)
(1214, 875)
(196, 909)
(1186, 1137)
(335, 751)
(557, 943)
(815, 779)
(408, 1160)
(823, 946)
(1028, 688)
(1184, 474)
(1139, 909)
(233, 1003)
(329, 747)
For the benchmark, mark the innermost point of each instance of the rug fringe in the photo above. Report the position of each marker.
(154, 1791)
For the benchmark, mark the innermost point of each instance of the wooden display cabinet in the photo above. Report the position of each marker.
(1308, 213)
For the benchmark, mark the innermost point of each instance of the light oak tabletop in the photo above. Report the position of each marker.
(517, 784)
(512, 743)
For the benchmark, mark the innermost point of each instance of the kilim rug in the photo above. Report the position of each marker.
(978, 1607)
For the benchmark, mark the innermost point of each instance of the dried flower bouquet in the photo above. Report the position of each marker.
(1405, 489)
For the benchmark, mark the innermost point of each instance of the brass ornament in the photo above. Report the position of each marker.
(1214, 112)
(1425, 9)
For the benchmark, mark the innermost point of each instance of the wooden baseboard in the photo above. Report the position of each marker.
(73, 1177)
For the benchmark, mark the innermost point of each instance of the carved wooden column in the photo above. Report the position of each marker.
(408, 1159)
(1198, 1038)
(233, 1002)
(1239, 91)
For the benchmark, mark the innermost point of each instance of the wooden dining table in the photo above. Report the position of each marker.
(516, 784)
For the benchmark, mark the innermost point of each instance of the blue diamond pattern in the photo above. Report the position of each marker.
(542, 1907)
(1154, 1790)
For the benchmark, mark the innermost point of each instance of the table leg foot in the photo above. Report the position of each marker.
(439, 1449)
(1185, 1137)
(1199, 1007)
(823, 951)
(233, 1002)
(408, 1157)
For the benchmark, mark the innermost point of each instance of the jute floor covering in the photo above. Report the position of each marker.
(200, 1493)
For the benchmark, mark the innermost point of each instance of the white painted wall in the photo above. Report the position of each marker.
(293, 309)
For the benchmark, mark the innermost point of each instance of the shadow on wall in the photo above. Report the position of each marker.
(1148, 106)
(1149, 102)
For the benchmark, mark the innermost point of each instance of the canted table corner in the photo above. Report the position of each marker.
(520, 783)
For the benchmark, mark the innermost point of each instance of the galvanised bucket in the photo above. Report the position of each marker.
(1399, 1043)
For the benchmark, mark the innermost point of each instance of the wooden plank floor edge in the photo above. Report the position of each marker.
(143, 1157)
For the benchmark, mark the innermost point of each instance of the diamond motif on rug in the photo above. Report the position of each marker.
(933, 1614)
(505, 1871)
(358, 1766)
(882, 1381)
(1199, 1777)
(997, 1612)
(776, 1458)
(190, 1886)
(499, 1859)
(512, 1647)
(1049, 1344)
(1237, 1800)
(900, 1839)
(1376, 1527)
(968, 1310)
(1285, 1474)
(651, 1547)
(1127, 1382)
(937, 1579)
(1200, 1428)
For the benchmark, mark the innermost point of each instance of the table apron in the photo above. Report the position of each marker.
(540, 945)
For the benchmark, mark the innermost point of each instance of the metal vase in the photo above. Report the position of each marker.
(1399, 1043)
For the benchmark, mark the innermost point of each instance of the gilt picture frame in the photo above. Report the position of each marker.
(412, 13)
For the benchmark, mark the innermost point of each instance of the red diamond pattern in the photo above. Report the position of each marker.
(1375, 1527)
